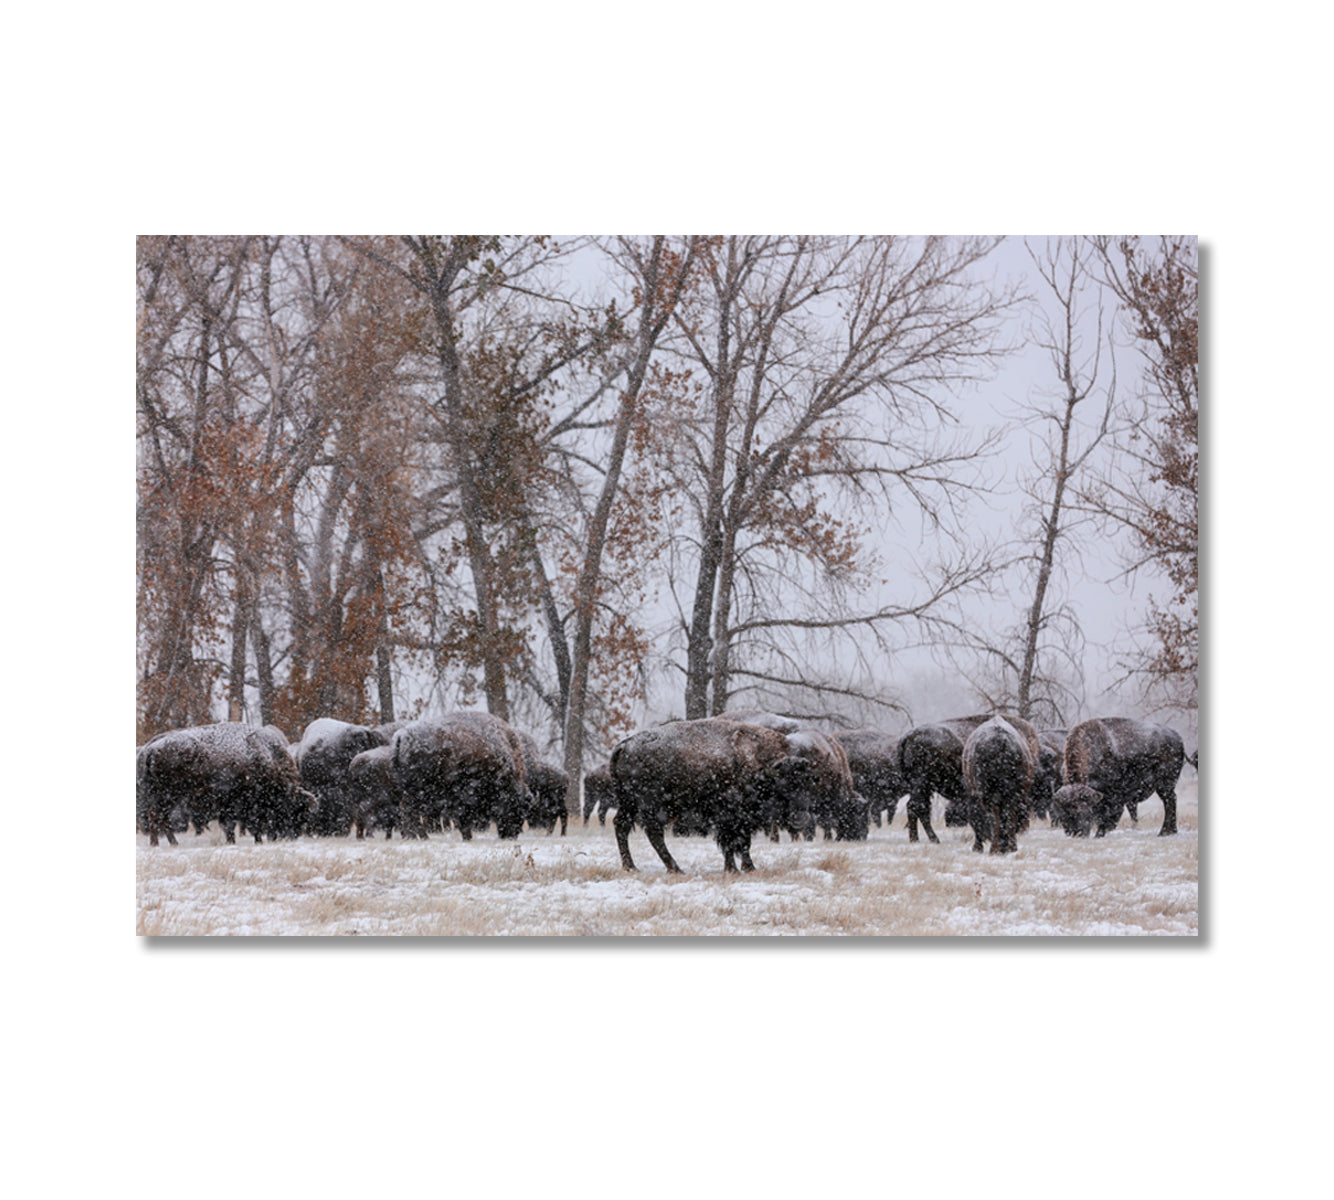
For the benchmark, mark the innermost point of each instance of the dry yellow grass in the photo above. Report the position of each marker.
(1131, 882)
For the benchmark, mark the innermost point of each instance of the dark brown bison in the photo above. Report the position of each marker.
(230, 773)
(467, 769)
(1113, 763)
(1051, 743)
(377, 802)
(323, 756)
(931, 761)
(1000, 760)
(873, 759)
(740, 777)
(547, 785)
(599, 793)
(832, 800)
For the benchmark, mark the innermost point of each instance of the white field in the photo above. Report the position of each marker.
(1130, 882)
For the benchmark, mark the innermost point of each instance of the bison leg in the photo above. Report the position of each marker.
(1169, 799)
(1004, 820)
(653, 829)
(623, 823)
(919, 809)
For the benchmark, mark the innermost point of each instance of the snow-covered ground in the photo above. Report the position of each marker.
(1130, 882)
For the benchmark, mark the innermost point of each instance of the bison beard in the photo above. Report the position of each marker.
(738, 777)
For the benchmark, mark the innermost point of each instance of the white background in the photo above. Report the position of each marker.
(647, 1070)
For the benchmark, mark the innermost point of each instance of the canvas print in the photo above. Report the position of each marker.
(667, 585)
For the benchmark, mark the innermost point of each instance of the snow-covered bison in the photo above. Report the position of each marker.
(230, 773)
(873, 759)
(547, 785)
(323, 756)
(739, 776)
(931, 760)
(1000, 759)
(466, 768)
(834, 805)
(377, 802)
(1112, 763)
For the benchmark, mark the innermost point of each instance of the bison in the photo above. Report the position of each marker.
(466, 768)
(599, 793)
(1113, 763)
(740, 777)
(1051, 744)
(377, 801)
(546, 789)
(323, 756)
(231, 773)
(833, 802)
(999, 759)
(873, 759)
(931, 760)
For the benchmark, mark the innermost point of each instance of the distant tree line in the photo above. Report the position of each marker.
(491, 463)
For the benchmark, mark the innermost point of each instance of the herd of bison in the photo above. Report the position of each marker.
(733, 776)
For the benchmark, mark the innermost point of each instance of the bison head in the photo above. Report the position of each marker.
(1073, 806)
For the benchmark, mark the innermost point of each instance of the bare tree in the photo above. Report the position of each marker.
(829, 363)
(661, 274)
(1064, 268)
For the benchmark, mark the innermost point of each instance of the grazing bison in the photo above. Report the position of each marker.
(931, 760)
(740, 777)
(832, 801)
(323, 756)
(230, 773)
(873, 759)
(466, 768)
(1000, 759)
(599, 793)
(377, 802)
(1113, 763)
(1051, 744)
(546, 789)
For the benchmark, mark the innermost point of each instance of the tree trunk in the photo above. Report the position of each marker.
(236, 677)
(657, 311)
(384, 678)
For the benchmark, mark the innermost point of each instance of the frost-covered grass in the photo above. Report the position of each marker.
(1130, 882)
